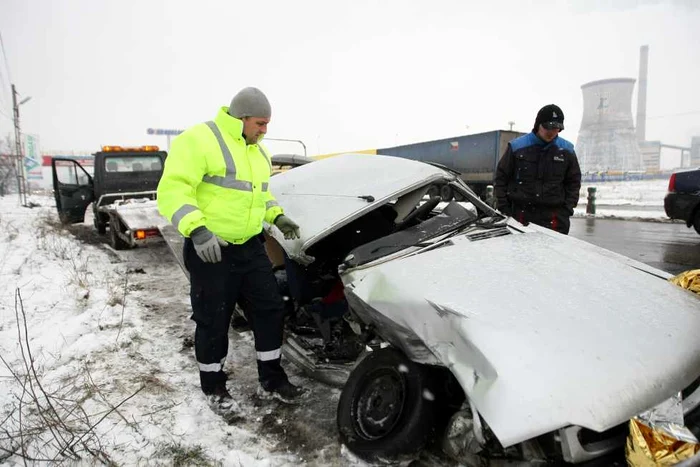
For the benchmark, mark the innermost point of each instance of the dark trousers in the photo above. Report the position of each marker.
(555, 218)
(243, 274)
(303, 289)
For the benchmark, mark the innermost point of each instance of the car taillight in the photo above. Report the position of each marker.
(672, 183)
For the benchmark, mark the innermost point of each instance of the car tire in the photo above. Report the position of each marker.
(114, 239)
(386, 410)
(696, 220)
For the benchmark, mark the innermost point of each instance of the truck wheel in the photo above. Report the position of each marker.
(114, 239)
(696, 221)
(100, 226)
(386, 409)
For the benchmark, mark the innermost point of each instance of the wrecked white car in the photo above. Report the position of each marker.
(506, 340)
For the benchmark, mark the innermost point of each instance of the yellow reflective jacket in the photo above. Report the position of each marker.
(213, 178)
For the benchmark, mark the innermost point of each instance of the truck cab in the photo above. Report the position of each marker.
(120, 174)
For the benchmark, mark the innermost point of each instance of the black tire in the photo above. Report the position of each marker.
(114, 239)
(696, 220)
(100, 225)
(386, 386)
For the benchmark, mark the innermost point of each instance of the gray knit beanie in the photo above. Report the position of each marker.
(250, 102)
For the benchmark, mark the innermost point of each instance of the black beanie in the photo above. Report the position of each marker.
(549, 114)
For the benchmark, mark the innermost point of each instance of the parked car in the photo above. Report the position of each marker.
(683, 198)
(505, 340)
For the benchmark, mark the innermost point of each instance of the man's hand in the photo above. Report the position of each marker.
(288, 227)
(207, 245)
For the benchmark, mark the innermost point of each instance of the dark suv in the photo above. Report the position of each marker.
(683, 198)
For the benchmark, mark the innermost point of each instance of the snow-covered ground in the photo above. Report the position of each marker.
(98, 365)
(641, 199)
(97, 360)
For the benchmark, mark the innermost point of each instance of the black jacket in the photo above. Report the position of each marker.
(533, 173)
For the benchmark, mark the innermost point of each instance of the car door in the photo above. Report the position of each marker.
(73, 189)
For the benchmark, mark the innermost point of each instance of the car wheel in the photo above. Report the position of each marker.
(386, 409)
(696, 220)
(114, 239)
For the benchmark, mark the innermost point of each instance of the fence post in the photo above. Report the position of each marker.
(590, 206)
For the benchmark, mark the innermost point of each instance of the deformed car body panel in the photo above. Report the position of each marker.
(540, 330)
(330, 193)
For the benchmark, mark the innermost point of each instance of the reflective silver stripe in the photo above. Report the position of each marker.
(262, 151)
(227, 182)
(212, 367)
(265, 186)
(269, 355)
(182, 212)
(271, 204)
(228, 158)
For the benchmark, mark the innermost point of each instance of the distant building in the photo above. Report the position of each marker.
(695, 152)
(651, 155)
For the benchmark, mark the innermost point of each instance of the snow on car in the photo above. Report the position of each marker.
(494, 335)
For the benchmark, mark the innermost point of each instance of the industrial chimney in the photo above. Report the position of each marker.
(606, 140)
(642, 93)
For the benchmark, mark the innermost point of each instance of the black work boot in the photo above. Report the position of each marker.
(286, 392)
(222, 403)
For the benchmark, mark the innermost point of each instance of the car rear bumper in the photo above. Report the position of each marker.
(681, 205)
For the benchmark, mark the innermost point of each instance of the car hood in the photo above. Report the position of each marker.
(325, 195)
(541, 330)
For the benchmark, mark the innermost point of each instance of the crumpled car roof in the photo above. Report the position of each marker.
(327, 194)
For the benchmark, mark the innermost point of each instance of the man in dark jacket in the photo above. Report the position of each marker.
(538, 178)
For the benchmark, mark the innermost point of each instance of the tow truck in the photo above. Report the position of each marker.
(122, 191)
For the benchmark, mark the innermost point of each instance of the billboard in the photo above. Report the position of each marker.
(32, 158)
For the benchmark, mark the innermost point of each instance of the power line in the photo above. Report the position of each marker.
(7, 67)
(4, 54)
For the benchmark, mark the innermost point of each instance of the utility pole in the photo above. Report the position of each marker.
(21, 181)
(511, 126)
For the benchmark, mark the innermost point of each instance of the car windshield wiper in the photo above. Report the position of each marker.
(368, 198)
(400, 246)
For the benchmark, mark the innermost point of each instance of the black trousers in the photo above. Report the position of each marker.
(555, 218)
(244, 274)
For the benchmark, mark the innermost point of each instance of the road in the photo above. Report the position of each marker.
(671, 247)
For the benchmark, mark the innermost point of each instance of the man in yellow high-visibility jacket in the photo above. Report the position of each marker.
(214, 190)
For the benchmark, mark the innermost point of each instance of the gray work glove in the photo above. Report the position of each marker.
(207, 245)
(288, 227)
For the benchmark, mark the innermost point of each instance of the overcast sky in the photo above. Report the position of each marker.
(341, 75)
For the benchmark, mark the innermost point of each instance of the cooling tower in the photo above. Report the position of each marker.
(607, 140)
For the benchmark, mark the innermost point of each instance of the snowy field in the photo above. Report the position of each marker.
(98, 366)
(97, 360)
(641, 199)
